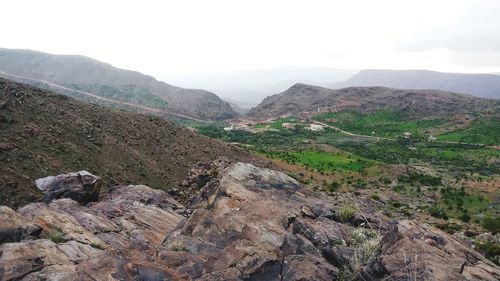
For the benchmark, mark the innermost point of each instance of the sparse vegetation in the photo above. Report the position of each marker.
(438, 212)
(98, 246)
(422, 179)
(178, 247)
(489, 249)
(57, 236)
(491, 224)
(367, 247)
(347, 211)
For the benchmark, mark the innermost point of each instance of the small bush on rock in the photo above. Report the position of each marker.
(178, 247)
(347, 212)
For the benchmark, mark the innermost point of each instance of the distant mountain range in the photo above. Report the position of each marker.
(479, 85)
(80, 77)
(416, 103)
(253, 85)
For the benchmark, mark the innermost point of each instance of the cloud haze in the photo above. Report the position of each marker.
(179, 37)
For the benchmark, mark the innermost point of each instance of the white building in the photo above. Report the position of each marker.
(431, 138)
(230, 128)
(315, 127)
(406, 135)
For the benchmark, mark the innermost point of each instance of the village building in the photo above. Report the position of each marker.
(315, 127)
(406, 135)
(289, 126)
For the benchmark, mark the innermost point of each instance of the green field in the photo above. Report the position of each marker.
(382, 124)
(278, 124)
(484, 131)
(457, 158)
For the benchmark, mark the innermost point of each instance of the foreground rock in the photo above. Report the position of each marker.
(411, 251)
(241, 223)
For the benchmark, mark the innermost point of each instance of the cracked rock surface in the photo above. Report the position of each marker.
(240, 223)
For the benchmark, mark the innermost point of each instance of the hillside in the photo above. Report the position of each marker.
(302, 98)
(44, 133)
(88, 75)
(479, 85)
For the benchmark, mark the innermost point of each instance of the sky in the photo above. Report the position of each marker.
(164, 38)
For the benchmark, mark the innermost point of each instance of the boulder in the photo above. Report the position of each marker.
(81, 186)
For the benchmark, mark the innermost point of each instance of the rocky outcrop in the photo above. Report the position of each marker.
(238, 222)
(96, 241)
(80, 186)
(14, 227)
(411, 251)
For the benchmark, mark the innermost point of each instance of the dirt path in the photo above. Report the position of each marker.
(149, 109)
(351, 134)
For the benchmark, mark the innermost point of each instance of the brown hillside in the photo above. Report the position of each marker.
(43, 133)
(416, 103)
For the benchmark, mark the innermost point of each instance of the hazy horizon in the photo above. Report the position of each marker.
(170, 38)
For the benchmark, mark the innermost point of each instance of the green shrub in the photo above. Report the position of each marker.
(491, 224)
(57, 236)
(465, 216)
(367, 246)
(178, 247)
(421, 178)
(489, 249)
(450, 227)
(332, 186)
(385, 180)
(438, 212)
(347, 212)
(98, 246)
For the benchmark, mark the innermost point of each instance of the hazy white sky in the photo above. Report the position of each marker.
(186, 36)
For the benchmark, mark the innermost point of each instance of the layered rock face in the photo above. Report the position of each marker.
(236, 222)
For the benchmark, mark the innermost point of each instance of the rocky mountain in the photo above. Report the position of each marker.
(417, 103)
(479, 85)
(44, 133)
(82, 78)
(235, 222)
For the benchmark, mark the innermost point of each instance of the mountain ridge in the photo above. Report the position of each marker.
(420, 103)
(89, 75)
(479, 85)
